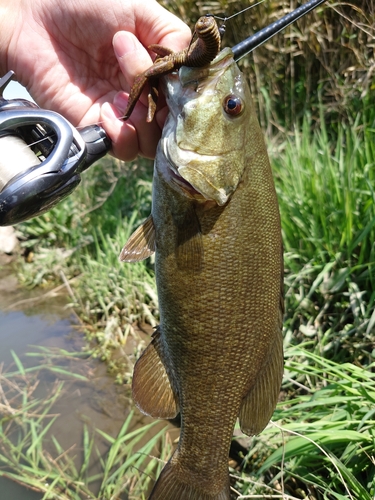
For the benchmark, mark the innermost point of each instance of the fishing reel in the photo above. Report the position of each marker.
(42, 157)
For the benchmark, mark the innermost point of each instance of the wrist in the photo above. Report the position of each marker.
(9, 19)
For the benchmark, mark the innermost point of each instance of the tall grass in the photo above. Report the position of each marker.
(322, 435)
(32, 454)
(327, 204)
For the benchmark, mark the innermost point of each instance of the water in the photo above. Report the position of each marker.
(13, 491)
(26, 321)
(18, 331)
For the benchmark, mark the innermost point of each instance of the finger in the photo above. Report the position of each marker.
(133, 137)
(161, 116)
(148, 134)
(122, 134)
(157, 25)
(132, 57)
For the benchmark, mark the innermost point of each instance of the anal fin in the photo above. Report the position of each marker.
(141, 243)
(153, 390)
(258, 405)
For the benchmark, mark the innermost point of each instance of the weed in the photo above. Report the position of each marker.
(327, 204)
(31, 455)
(322, 438)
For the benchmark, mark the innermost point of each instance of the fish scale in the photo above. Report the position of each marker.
(215, 226)
(207, 341)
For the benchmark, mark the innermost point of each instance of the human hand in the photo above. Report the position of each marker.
(62, 52)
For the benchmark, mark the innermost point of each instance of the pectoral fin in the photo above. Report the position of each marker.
(153, 390)
(141, 243)
(259, 404)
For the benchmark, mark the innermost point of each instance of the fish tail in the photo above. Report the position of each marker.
(172, 485)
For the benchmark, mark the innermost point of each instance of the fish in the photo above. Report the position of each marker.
(217, 354)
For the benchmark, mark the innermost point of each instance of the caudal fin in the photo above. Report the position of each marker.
(171, 486)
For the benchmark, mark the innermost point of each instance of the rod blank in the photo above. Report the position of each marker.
(254, 41)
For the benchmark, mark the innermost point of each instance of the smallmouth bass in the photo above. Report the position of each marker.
(215, 228)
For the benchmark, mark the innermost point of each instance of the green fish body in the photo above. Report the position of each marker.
(215, 227)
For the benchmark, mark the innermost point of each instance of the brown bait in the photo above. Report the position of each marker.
(199, 53)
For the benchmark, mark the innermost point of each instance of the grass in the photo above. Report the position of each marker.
(31, 455)
(321, 443)
(327, 204)
(322, 435)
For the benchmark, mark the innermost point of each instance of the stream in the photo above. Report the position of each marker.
(27, 321)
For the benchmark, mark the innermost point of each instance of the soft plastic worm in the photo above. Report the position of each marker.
(199, 53)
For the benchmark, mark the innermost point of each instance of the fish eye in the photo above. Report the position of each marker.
(232, 105)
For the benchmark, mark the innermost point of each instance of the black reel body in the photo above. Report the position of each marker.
(41, 157)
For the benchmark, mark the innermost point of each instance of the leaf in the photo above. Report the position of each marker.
(302, 447)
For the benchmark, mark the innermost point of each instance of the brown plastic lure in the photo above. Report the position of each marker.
(199, 53)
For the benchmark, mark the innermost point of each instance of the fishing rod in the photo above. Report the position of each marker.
(260, 37)
(42, 155)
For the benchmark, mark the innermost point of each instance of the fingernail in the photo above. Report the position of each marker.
(121, 101)
(110, 112)
(120, 44)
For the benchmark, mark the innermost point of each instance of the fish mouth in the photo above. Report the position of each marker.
(208, 191)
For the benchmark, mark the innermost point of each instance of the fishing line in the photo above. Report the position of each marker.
(225, 19)
(238, 13)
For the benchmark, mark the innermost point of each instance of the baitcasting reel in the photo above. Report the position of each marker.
(41, 157)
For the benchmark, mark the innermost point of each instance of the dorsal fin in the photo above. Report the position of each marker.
(141, 243)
